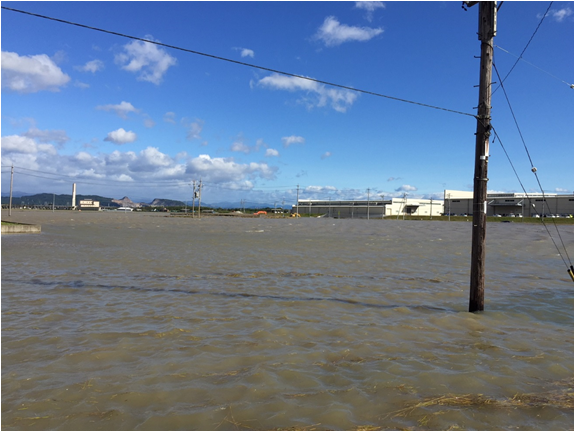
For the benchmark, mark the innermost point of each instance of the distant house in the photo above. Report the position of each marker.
(89, 204)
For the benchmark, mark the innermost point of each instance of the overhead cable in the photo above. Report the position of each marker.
(524, 49)
(64, 177)
(566, 262)
(112, 183)
(534, 171)
(237, 62)
(536, 67)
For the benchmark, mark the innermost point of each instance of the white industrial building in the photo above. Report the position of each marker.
(363, 209)
(511, 204)
(454, 203)
(89, 204)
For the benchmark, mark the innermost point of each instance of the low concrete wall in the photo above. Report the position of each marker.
(18, 228)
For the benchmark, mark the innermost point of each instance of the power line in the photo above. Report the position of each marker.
(517, 125)
(237, 62)
(63, 177)
(117, 183)
(74, 178)
(536, 67)
(260, 187)
(524, 49)
(534, 170)
(542, 218)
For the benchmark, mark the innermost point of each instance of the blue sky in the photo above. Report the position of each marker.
(122, 117)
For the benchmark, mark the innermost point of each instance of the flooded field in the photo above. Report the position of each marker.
(141, 321)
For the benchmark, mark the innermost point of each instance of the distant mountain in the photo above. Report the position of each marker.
(46, 199)
(157, 202)
(16, 194)
(162, 202)
(126, 202)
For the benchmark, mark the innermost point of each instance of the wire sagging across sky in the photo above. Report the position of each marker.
(239, 62)
(128, 107)
(536, 67)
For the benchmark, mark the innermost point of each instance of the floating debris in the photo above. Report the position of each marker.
(561, 398)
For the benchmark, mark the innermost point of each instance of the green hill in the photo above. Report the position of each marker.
(46, 199)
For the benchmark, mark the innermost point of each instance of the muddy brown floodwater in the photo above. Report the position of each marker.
(141, 321)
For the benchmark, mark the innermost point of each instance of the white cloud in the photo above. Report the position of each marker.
(31, 74)
(272, 152)
(406, 188)
(244, 185)
(339, 99)
(247, 53)
(150, 160)
(558, 14)
(149, 123)
(218, 170)
(91, 173)
(45, 136)
(148, 163)
(332, 33)
(23, 144)
(320, 189)
(147, 59)
(287, 141)
(122, 109)
(92, 66)
(18, 144)
(561, 14)
(84, 158)
(120, 158)
(326, 155)
(118, 170)
(240, 146)
(259, 144)
(370, 7)
(194, 129)
(120, 136)
(81, 84)
(284, 82)
(170, 117)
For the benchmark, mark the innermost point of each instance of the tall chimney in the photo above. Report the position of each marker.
(74, 196)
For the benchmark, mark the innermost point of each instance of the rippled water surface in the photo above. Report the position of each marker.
(141, 321)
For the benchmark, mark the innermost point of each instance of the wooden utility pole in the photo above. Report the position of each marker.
(200, 199)
(486, 33)
(11, 183)
(367, 203)
(297, 203)
(193, 199)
